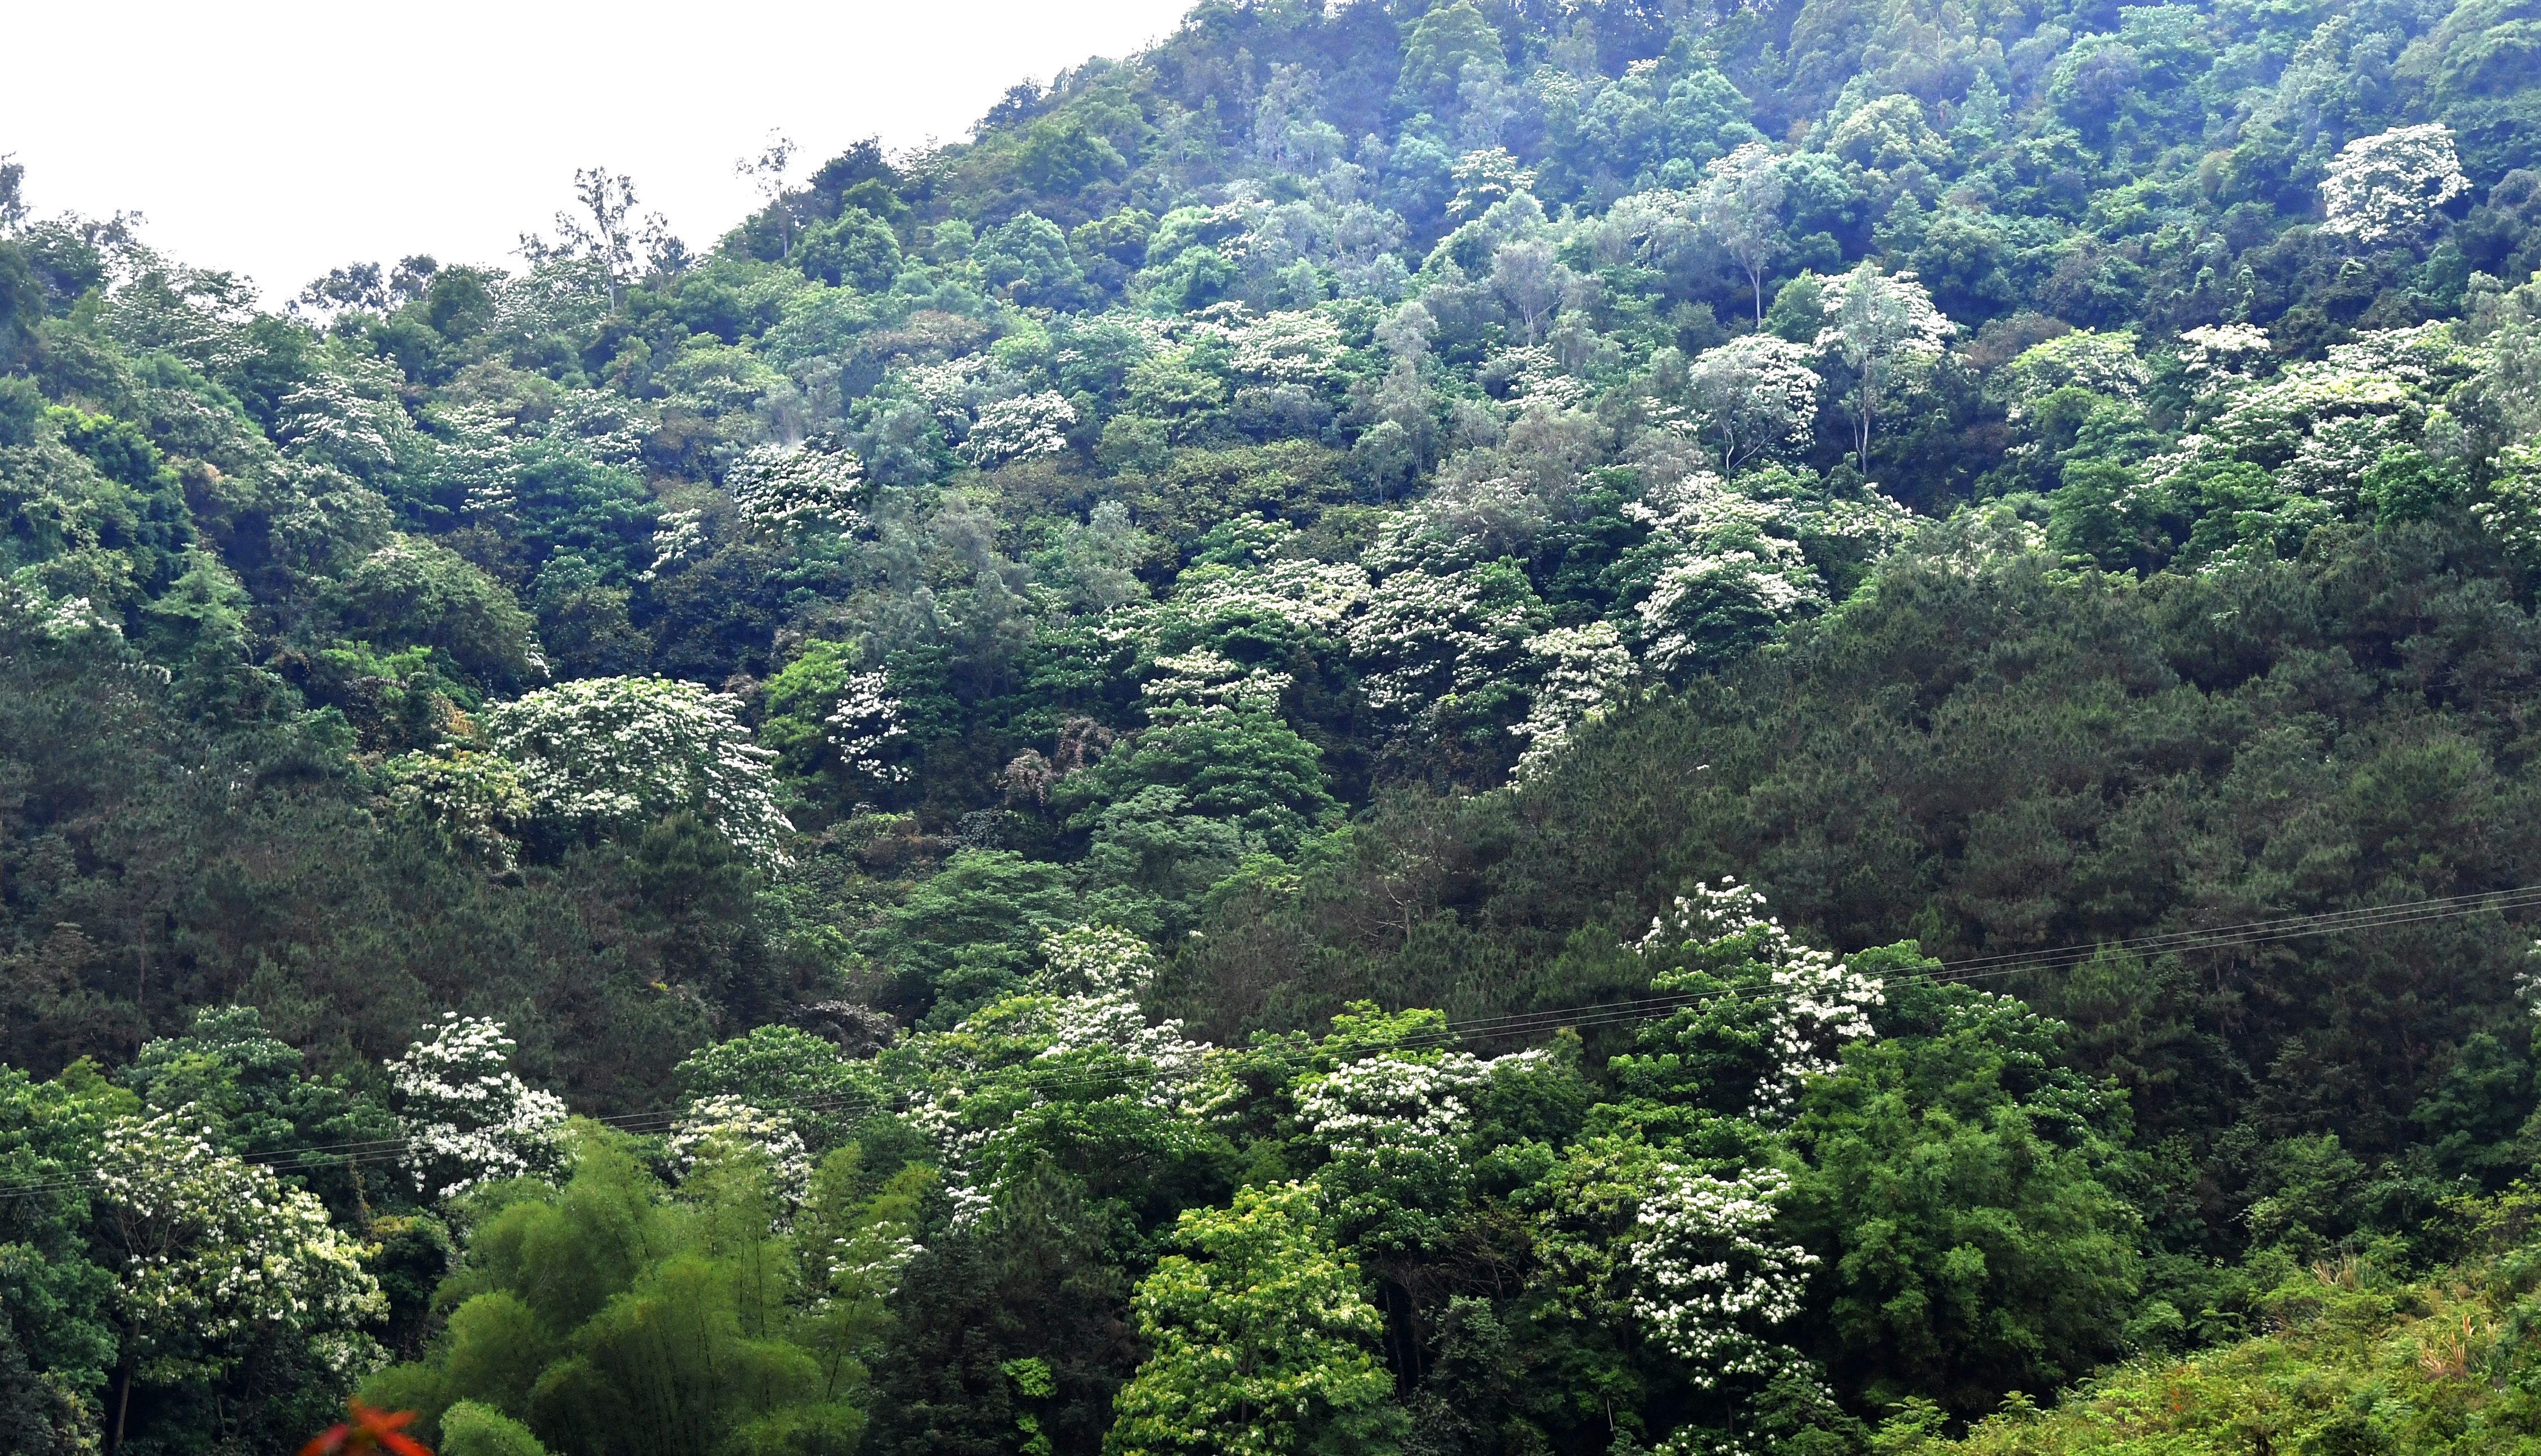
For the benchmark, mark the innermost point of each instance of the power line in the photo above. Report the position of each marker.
(1520, 1025)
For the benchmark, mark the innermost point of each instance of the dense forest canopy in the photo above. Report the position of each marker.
(1376, 733)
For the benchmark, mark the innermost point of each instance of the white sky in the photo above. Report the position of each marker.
(280, 138)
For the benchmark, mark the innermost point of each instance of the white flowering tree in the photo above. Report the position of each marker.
(1391, 1109)
(1019, 428)
(1070, 1066)
(347, 412)
(865, 724)
(1886, 332)
(1753, 396)
(1424, 636)
(1683, 1250)
(1732, 573)
(813, 484)
(1204, 678)
(617, 753)
(2101, 363)
(1579, 672)
(1738, 204)
(2393, 376)
(723, 1127)
(2387, 187)
(678, 538)
(465, 1117)
(2220, 357)
(1297, 346)
(1180, 647)
(215, 1254)
(1806, 1003)
(474, 799)
(1709, 1279)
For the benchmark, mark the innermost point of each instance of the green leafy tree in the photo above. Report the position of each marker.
(1965, 1184)
(967, 932)
(1263, 1340)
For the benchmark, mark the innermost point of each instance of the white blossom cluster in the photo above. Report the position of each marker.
(350, 411)
(215, 1249)
(476, 451)
(467, 1118)
(618, 751)
(2293, 421)
(1087, 1000)
(1870, 313)
(475, 799)
(1657, 229)
(949, 391)
(2387, 187)
(1725, 546)
(1290, 347)
(676, 536)
(807, 486)
(722, 1126)
(865, 1263)
(1815, 1002)
(1304, 595)
(2332, 459)
(1705, 918)
(2222, 356)
(604, 424)
(1204, 679)
(1398, 1101)
(1019, 428)
(1397, 1119)
(2101, 363)
(23, 600)
(1536, 377)
(1579, 672)
(479, 447)
(863, 724)
(1709, 1276)
(1308, 594)
(1424, 636)
(200, 315)
(1114, 967)
(1757, 395)
(1100, 961)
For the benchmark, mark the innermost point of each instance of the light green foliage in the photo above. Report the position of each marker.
(471, 1429)
(618, 1314)
(1263, 1340)
(2354, 1361)
(1443, 44)
(966, 934)
(853, 249)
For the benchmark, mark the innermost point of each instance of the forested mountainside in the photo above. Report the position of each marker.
(1405, 728)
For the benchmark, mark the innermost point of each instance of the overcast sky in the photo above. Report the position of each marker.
(281, 137)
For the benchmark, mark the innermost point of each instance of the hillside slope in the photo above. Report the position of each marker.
(1405, 727)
